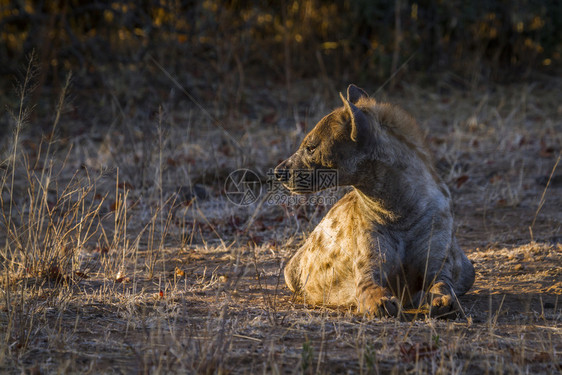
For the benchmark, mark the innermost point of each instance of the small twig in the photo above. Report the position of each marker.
(246, 337)
(397, 39)
(542, 200)
(396, 72)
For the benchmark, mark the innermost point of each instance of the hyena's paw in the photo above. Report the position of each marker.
(443, 302)
(378, 302)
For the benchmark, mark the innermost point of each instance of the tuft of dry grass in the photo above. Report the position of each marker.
(113, 260)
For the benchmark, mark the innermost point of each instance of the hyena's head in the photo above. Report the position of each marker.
(338, 143)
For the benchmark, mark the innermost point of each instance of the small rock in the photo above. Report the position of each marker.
(519, 267)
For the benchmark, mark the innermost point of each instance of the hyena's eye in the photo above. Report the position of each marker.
(310, 149)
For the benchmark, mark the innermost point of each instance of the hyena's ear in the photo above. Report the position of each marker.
(355, 93)
(359, 123)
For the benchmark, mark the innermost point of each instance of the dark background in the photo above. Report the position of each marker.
(220, 49)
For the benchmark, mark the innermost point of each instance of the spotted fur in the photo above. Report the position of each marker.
(390, 241)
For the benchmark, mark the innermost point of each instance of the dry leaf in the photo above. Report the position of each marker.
(121, 277)
(180, 272)
(546, 151)
(461, 180)
(172, 162)
(501, 202)
(114, 206)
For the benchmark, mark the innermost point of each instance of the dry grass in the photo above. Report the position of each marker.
(111, 263)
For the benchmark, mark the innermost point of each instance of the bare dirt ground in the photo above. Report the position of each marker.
(113, 264)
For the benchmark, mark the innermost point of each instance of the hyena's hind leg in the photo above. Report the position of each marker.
(293, 272)
(376, 300)
(373, 276)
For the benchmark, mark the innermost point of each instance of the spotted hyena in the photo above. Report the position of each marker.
(390, 241)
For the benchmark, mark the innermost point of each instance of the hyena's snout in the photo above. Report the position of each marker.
(283, 172)
(288, 175)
